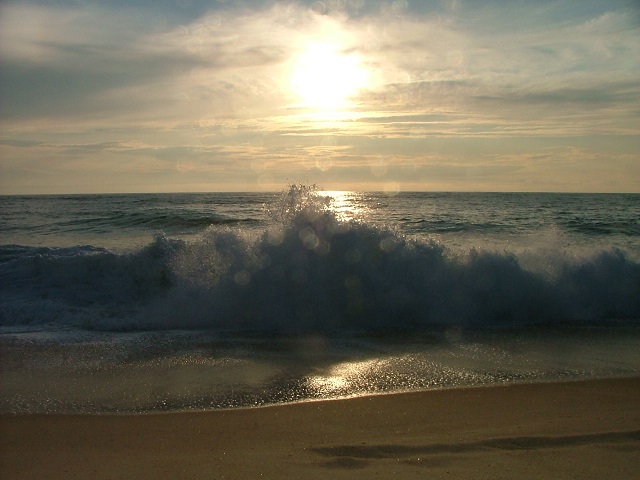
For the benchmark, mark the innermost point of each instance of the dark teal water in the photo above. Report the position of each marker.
(192, 301)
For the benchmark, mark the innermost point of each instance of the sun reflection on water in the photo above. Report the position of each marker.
(346, 205)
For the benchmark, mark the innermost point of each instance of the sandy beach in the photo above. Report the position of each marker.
(588, 429)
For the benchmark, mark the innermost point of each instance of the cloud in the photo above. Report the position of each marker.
(68, 62)
(92, 62)
(176, 88)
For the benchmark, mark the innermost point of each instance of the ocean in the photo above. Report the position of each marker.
(135, 303)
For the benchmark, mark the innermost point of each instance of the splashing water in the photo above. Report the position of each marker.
(309, 270)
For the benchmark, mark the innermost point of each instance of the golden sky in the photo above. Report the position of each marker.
(191, 95)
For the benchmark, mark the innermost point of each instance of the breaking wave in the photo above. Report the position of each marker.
(308, 270)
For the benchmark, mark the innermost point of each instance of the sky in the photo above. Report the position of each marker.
(221, 95)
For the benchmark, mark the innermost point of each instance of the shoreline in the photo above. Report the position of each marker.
(311, 400)
(575, 429)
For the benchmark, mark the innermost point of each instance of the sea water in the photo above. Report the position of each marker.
(170, 302)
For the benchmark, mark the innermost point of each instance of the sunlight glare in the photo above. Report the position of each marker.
(324, 78)
(344, 204)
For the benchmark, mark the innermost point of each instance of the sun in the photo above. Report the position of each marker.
(326, 79)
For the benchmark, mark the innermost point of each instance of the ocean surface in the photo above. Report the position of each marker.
(171, 302)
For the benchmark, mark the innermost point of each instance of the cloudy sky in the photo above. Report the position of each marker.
(194, 95)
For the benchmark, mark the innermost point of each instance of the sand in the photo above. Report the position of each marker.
(582, 430)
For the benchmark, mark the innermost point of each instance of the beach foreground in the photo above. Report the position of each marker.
(587, 429)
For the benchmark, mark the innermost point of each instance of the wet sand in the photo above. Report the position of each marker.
(585, 430)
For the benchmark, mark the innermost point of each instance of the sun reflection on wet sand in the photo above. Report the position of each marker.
(342, 376)
(327, 384)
